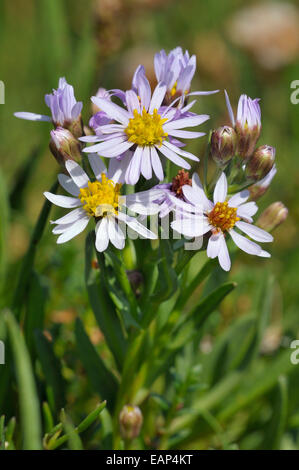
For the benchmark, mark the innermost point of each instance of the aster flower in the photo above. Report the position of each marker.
(176, 70)
(99, 200)
(247, 124)
(65, 110)
(219, 218)
(146, 129)
(174, 188)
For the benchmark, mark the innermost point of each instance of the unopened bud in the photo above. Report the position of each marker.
(64, 146)
(75, 127)
(248, 125)
(273, 216)
(223, 144)
(130, 420)
(260, 163)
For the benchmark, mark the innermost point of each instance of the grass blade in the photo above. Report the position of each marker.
(29, 404)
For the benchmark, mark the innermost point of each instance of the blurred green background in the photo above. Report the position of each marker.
(244, 47)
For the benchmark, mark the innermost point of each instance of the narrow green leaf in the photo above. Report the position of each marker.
(102, 380)
(52, 371)
(200, 313)
(35, 308)
(256, 384)
(73, 438)
(28, 260)
(56, 442)
(277, 424)
(29, 404)
(48, 418)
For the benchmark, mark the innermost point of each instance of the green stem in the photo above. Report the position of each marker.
(116, 258)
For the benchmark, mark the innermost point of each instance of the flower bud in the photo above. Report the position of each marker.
(223, 144)
(64, 146)
(248, 125)
(75, 127)
(130, 420)
(273, 216)
(261, 163)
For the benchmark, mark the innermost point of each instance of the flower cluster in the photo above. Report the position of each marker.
(135, 135)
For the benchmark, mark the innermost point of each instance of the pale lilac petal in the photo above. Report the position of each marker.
(89, 139)
(133, 170)
(119, 149)
(189, 208)
(192, 196)
(220, 191)
(118, 167)
(76, 111)
(186, 134)
(247, 210)
(239, 198)
(102, 236)
(97, 165)
(214, 245)
(107, 144)
(132, 101)
(190, 121)
(67, 183)
(71, 217)
(203, 93)
(32, 117)
(77, 174)
(74, 230)
(191, 227)
(59, 229)
(142, 87)
(115, 233)
(200, 193)
(146, 166)
(63, 201)
(264, 254)
(157, 98)
(112, 110)
(174, 157)
(156, 164)
(136, 226)
(230, 109)
(244, 244)
(181, 152)
(223, 254)
(255, 232)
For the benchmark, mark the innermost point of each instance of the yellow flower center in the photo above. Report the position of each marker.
(101, 197)
(146, 129)
(223, 217)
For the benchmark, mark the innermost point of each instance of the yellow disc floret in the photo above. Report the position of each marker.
(100, 198)
(146, 129)
(223, 217)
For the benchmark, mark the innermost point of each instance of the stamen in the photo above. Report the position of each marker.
(101, 197)
(146, 129)
(223, 217)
